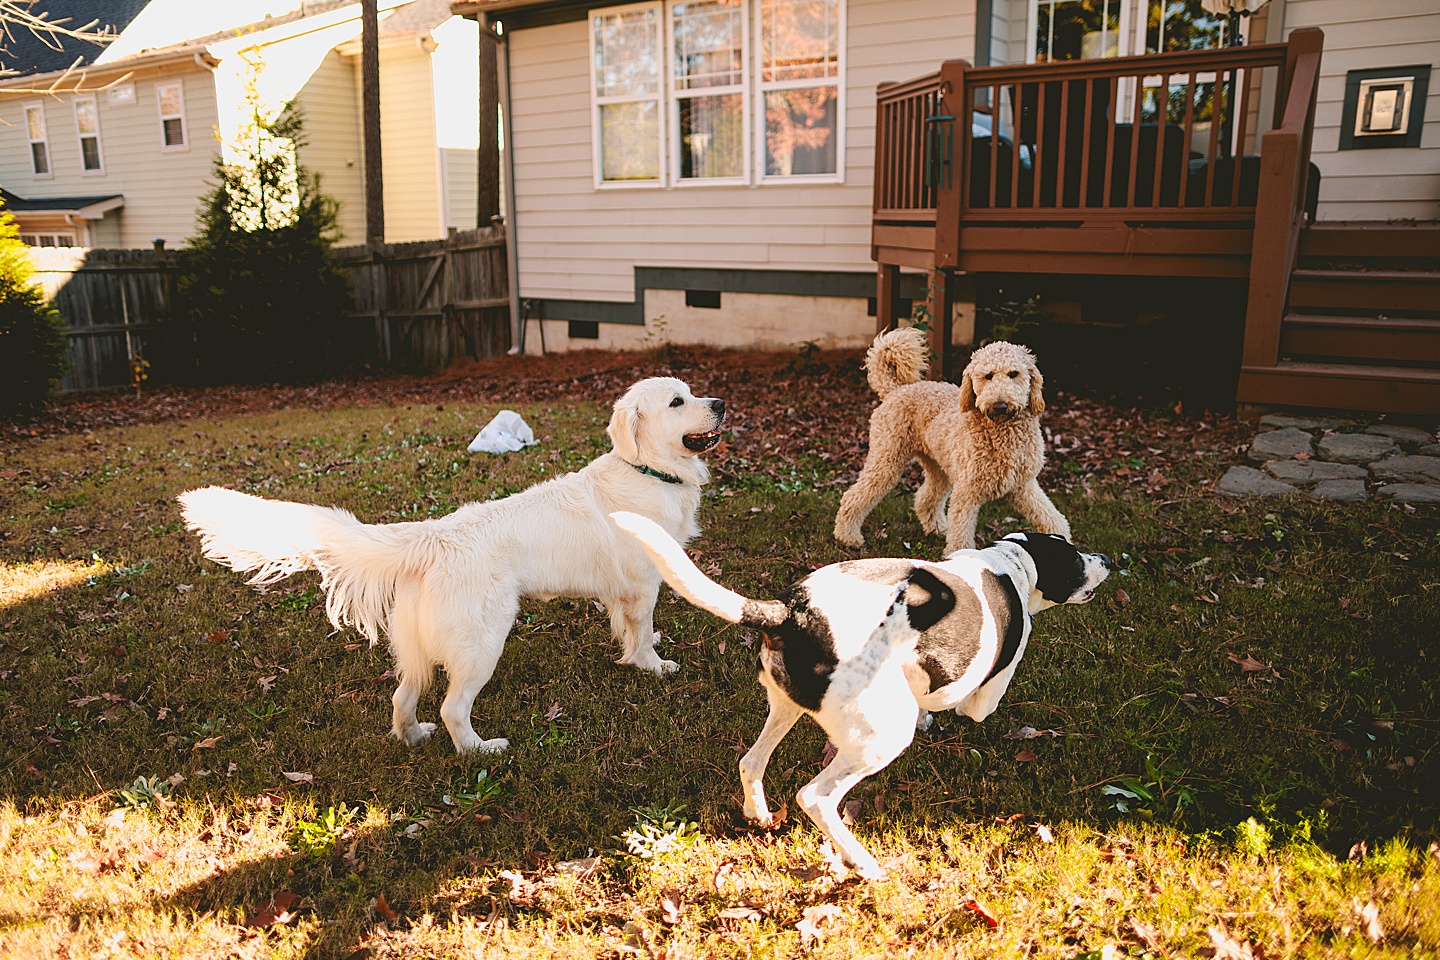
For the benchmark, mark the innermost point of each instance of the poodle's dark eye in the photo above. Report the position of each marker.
(1014, 374)
(989, 376)
(677, 402)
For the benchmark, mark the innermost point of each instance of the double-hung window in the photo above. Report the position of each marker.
(87, 125)
(39, 142)
(627, 93)
(172, 116)
(707, 45)
(799, 54)
(681, 95)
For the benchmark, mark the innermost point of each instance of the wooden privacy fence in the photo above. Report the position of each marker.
(427, 303)
(109, 299)
(432, 301)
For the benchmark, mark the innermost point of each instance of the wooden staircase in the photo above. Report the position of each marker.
(1361, 325)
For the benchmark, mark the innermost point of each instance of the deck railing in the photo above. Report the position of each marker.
(1162, 137)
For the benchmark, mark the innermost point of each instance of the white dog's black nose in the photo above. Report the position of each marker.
(1110, 565)
(718, 406)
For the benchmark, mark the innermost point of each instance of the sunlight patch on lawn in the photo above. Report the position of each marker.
(26, 581)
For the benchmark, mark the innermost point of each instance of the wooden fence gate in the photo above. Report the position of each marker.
(427, 303)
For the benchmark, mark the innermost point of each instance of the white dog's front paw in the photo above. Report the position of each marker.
(924, 721)
(414, 734)
(869, 869)
(662, 667)
(474, 743)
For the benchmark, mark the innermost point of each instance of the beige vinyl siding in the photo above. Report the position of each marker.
(335, 147)
(1396, 182)
(162, 188)
(410, 161)
(579, 242)
(461, 168)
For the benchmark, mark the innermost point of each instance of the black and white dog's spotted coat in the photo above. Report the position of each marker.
(868, 647)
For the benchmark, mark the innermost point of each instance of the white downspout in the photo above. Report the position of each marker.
(512, 255)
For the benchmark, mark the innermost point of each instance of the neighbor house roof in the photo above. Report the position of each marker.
(86, 208)
(25, 52)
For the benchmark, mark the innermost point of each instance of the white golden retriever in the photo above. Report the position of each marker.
(446, 591)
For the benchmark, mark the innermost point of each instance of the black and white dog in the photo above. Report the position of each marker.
(868, 647)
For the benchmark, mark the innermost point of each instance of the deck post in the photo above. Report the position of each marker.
(941, 297)
(949, 192)
(1280, 202)
(887, 297)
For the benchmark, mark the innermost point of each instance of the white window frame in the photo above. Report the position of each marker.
(763, 87)
(35, 239)
(673, 96)
(43, 139)
(597, 101)
(1130, 21)
(160, 89)
(80, 136)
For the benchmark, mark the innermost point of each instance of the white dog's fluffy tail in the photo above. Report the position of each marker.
(897, 357)
(686, 579)
(359, 564)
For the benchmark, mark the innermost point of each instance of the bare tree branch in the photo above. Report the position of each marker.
(16, 15)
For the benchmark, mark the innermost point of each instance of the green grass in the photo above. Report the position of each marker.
(246, 747)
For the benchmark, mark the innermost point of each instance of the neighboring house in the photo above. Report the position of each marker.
(710, 164)
(122, 152)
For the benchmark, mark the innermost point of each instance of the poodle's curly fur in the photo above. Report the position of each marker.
(976, 442)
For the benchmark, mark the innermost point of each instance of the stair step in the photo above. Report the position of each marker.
(1407, 339)
(1342, 240)
(1342, 386)
(1373, 291)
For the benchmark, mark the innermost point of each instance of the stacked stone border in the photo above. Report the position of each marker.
(1326, 459)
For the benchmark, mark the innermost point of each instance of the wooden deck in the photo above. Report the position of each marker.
(1191, 164)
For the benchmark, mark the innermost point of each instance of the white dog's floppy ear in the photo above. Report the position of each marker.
(1037, 390)
(967, 392)
(624, 429)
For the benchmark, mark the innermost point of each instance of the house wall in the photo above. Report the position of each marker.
(580, 243)
(335, 148)
(461, 169)
(1396, 182)
(410, 161)
(135, 165)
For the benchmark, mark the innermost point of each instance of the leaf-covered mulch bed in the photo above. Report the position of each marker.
(784, 407)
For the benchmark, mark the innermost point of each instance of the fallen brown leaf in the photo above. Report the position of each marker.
(1025, 755)
(813, 918)
(1145, 933)
(275, 911)
(1222, 947)
(1248, 663)
(981, 913)
(381, 906)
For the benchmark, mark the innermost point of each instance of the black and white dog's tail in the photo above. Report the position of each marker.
(686, 579)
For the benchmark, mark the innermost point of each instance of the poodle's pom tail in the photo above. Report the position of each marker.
(897, 357)
(686, 579)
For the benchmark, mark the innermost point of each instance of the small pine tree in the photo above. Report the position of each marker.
(32, 343)
(259, 295)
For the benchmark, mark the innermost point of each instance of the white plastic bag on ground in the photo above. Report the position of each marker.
(506, 433)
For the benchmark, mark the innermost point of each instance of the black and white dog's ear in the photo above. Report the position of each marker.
(1059, 567)
(927, 599)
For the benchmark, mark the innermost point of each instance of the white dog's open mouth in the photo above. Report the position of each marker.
(700, 442)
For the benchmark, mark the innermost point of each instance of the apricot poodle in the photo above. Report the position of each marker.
(976, 442)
